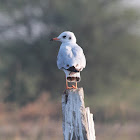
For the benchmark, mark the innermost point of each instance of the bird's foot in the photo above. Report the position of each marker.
(69, 87)
(74, 87)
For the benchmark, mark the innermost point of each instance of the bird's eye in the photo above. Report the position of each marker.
(69, 38)
(64, 36)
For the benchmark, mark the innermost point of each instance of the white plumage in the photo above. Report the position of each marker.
(71, 58)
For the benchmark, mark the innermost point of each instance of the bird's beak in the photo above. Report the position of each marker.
(56, 39)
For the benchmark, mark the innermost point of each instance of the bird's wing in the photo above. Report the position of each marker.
(71, 55)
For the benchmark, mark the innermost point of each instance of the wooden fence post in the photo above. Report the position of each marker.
(78, 122)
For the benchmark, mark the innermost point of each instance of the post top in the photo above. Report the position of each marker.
(78, 90)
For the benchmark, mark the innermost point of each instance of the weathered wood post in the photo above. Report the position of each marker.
(78, 122)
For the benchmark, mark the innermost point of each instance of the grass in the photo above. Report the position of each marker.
(115, 119)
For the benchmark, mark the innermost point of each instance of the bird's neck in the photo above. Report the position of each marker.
(68, 43)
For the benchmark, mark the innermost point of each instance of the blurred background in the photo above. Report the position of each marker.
(31, 85)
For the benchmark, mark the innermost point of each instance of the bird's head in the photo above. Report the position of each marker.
(66, 37)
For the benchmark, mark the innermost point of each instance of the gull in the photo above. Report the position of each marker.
(71, 58)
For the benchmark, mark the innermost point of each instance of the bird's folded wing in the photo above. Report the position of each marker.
(69, 56)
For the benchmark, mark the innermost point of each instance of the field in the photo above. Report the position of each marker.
(42, 120)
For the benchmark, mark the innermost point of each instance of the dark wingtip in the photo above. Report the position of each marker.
(73, 69)
(51, 39)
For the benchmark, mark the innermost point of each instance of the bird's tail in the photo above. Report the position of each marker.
(72, 76)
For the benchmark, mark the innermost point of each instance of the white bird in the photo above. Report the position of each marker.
(71, 58)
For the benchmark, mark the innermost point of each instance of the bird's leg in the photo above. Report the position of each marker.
(67, 87)
(66, 84)
(75, 87)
